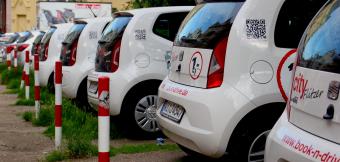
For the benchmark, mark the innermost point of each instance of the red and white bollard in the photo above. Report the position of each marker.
(58, 103)
(27, 75)
(103, 120)
(36, 86)
(22, 83)
(15, 59)
(8, 61)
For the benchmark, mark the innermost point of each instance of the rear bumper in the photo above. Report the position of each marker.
(118, 86)
(46, 68)
(209, 119)
(286, 142)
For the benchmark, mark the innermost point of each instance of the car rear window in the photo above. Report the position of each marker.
(74, 33)
(320, 46)
(115, 29)
(25, 36)
(206, 24)
(112, 33)
(48, 35)
(38, 38)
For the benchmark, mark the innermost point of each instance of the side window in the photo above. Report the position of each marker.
(293, 19)
(167, 25)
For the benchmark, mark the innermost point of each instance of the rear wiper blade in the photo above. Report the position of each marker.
(103, 41)
(188, 40)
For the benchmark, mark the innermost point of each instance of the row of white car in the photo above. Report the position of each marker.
(214, 78)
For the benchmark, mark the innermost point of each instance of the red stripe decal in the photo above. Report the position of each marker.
(103, 156)
(58, 72)
(37, 92)
(23, 75)
(278, 73)
(102, 111)
(58, 115)
(27, 58)
(36, 62)
(27, 80)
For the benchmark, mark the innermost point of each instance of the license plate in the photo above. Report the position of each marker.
(93, 87)
(172, 111)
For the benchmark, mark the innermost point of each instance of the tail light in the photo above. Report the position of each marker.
(115, 55)
(22, 47)
(216, 67)
(43, 52)
(73, 53)
(9, 48)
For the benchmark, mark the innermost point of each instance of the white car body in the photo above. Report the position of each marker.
(309, 129)
(46, 68)
(214, 117)
(29, 42)
(142, 57)
(76, 74)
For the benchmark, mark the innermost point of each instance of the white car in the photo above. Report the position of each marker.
(77, 55)
(25, 43)
(49, 52)
(230, 71)
(132, 54)
(6, 40)
(310, 130)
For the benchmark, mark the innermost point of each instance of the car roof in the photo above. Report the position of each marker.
(158, 9)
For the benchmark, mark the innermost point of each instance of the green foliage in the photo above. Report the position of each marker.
(158, 3)
(24, 102)
(27, 116)
(56, 156)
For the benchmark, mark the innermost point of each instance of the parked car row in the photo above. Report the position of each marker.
(214, 78)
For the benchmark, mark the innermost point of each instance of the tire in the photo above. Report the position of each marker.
(50, 84)
(138, 113)
(249, 138)
(81, 99)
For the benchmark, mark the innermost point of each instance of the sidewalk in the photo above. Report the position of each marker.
(19, 141)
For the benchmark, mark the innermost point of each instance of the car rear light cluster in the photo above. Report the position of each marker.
(22, 47)
(216, 67)
(43, 52)
(10, 48)
(115, 55)
(73, 53)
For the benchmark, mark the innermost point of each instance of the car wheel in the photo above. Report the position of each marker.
(248, 140)
(139, 114)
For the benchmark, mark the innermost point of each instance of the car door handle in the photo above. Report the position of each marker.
(329, 112)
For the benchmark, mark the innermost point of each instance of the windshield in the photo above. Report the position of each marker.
(74, 33)
(320, 46)
(25, 36)
(206, 24)
(110, 39)
(48, 35)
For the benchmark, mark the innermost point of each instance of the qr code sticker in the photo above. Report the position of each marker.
(256, 29)
(140, 34)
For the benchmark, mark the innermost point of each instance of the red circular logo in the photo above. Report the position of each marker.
(195, 66)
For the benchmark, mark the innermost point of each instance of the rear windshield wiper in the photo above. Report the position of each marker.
(188, 40)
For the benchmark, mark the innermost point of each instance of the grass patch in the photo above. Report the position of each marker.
(24, 102)
(56, 156)
(27, 116)
(79, 128)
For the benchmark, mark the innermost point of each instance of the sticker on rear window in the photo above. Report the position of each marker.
(256, 29)
(195, 66)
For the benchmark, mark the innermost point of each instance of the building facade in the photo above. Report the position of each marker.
(21, 15)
